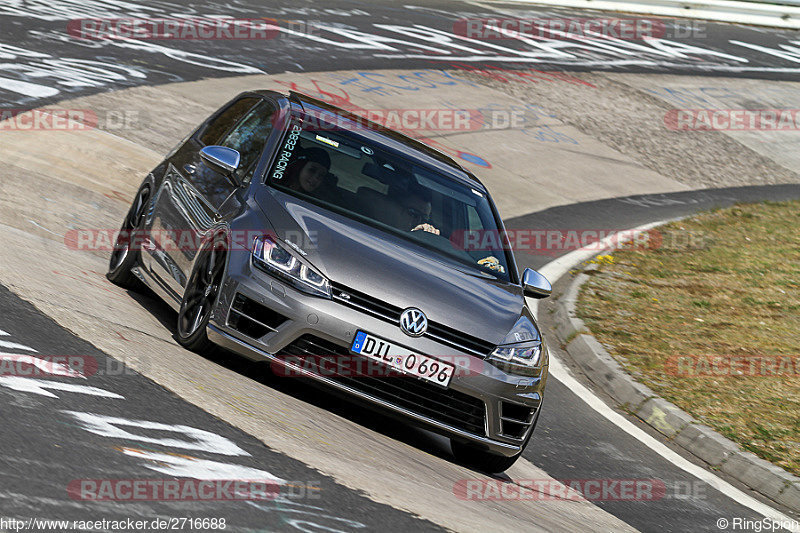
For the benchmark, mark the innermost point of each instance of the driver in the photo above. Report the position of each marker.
(307, 172)
(414, 211)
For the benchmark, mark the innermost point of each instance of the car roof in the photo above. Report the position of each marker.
(387, 137)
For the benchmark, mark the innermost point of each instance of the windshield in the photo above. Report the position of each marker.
(338, 170)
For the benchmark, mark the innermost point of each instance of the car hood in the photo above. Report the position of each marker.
(396, 271)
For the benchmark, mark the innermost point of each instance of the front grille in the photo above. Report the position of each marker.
(364, 302)
(253, 319)
(515, 419)
(447, 406)
(390, 313)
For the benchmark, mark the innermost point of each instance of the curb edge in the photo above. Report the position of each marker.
(678, 426)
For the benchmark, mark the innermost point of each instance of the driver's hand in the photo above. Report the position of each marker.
(426, 227)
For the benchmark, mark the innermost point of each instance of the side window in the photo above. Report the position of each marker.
(225, 121)
(249, 137)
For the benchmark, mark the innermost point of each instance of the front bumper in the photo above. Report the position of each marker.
(510, 403)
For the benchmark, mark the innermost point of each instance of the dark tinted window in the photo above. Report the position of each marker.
(249, 136)
(337, 169)
(225, 121)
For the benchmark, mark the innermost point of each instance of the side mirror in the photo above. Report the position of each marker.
(222, 159)
(535, 285)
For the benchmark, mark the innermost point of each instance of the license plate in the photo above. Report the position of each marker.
(402, 359)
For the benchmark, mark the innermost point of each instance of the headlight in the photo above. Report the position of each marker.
(522, 351)
(278, 261)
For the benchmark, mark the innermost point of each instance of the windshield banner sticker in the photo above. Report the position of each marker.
(286, 153)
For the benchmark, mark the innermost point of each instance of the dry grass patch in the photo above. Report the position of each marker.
(710, 320)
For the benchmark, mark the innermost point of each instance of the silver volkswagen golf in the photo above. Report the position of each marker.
(291, 231)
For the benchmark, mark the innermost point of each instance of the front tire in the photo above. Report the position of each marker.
(125, 255)
(200, 296)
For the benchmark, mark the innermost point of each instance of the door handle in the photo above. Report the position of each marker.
(189, 168)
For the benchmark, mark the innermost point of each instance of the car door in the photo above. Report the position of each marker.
(249, 137)
(188, 201)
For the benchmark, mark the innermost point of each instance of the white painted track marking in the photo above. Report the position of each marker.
(43, 387)
(14, 346)
(28, 89)
(200, 439)
(48, 367)
(193, 467)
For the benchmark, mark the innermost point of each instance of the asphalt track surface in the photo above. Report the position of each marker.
(52, 64)
(44, 448)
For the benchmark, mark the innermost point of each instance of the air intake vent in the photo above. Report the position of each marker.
(515, 419)
(253, 319)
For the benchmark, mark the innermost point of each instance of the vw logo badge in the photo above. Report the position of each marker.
(413, 322)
